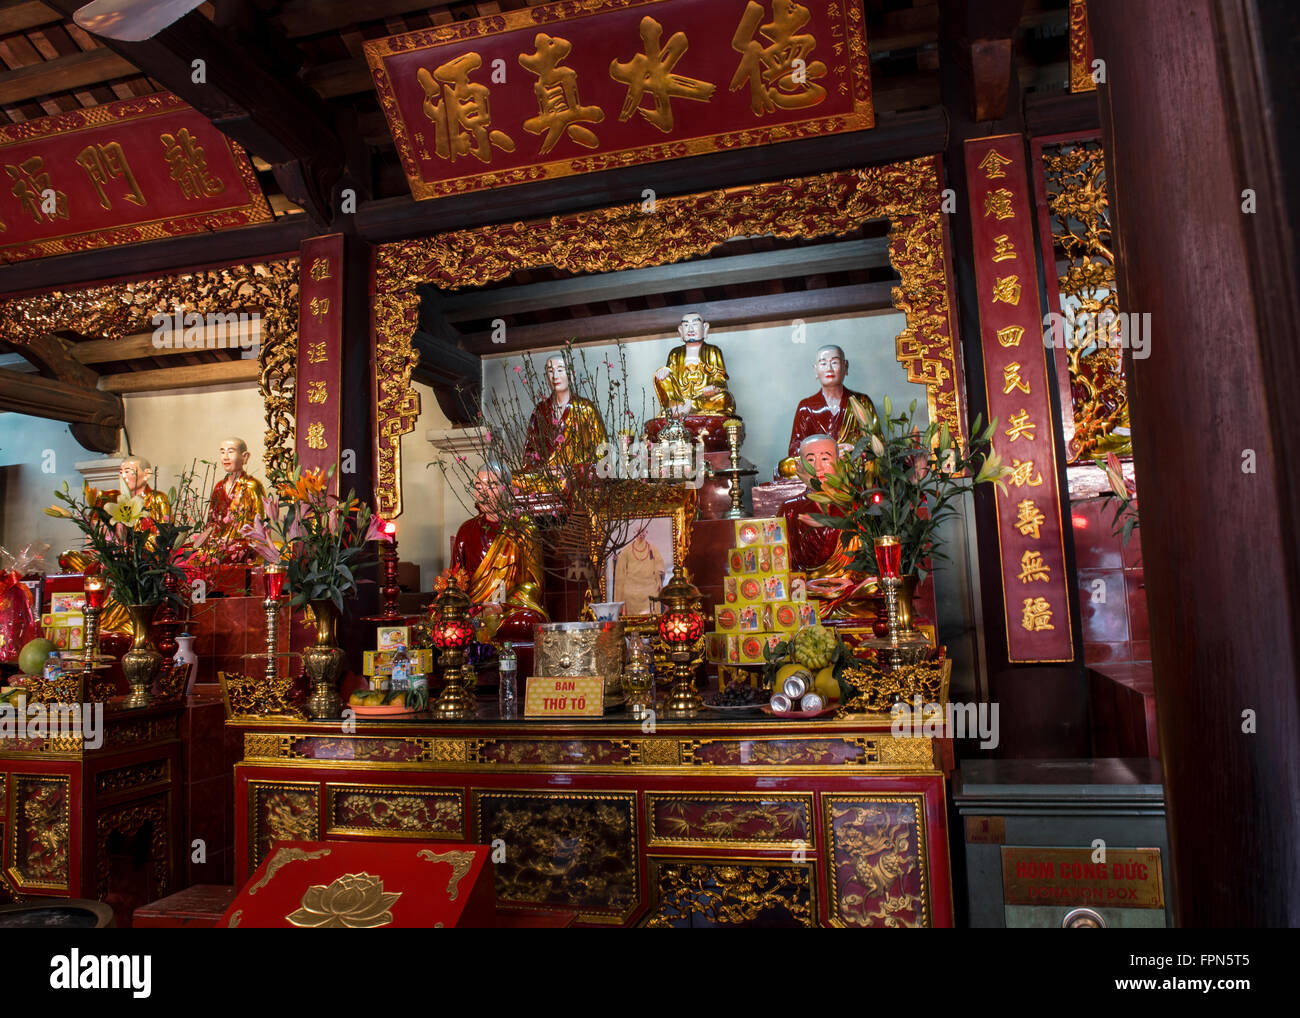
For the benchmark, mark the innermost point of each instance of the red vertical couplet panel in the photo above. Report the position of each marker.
(320, 354)
(1035, 589)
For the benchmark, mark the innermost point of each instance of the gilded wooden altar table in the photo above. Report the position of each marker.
(101, 823)
(707, 821)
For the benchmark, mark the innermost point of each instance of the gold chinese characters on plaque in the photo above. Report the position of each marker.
(576, 87)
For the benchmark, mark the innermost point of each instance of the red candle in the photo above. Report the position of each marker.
(889, 556)
(273, 581)
(96, 592)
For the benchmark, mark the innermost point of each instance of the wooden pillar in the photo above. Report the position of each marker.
(1188, 108)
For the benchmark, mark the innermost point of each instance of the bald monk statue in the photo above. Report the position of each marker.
(826, 412)
(236, 502)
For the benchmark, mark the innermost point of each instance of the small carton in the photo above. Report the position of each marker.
(798, 587)
(726, 618)
(380, 662)
(807, 614)
(750, 619)
(774, 530)
(392, 637)
(780, 557)
(749, 532)
(764, 558)
(776, 587)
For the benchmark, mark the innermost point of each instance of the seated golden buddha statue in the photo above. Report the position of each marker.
(504, 566)
(565, 432)
(822, 552)
(236, 503)
(827, 411)
(694, 381)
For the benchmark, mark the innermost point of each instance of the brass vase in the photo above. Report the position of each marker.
(140, 664)
(323, 662)
(906, 590)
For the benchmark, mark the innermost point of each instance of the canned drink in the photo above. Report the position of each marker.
(780, 703)
(796, 684)
(812, 702)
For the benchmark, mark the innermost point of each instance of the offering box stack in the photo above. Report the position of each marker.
(763, 602)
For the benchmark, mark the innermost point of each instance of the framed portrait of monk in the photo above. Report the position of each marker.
(636, 572)
(641, 560)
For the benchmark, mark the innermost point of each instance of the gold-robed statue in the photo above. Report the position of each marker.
(827, 411)
(694, 381)
(236, 502)
(133, 475)
(504, 567)
(565, 432)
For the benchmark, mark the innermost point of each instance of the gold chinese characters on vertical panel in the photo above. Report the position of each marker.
(616, 83)
(1030, 538)
(320, 344)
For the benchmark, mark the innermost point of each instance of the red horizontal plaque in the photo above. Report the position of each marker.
(1035, 589)
(130, 171)
(589, 85)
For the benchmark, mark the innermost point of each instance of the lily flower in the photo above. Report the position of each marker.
(378, 530)
(127, 511)
(58, 511)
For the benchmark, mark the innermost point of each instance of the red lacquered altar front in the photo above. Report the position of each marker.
(700, 822)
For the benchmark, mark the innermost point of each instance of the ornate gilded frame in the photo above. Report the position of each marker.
(117, 310)
(673, 501)
(908, 194)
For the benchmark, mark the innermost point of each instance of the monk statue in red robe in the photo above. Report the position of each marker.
(823, 553)
(504, 565)
(827, 412)
(236, 502)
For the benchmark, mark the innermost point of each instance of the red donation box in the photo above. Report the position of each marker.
(355, 885)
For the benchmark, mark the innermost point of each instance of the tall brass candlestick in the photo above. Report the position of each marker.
(96, 589)
(452, 633)
(737, 511)
(273, 584)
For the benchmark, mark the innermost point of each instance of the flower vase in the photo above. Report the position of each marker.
(187, 659)
(140, 664)
(323, 662)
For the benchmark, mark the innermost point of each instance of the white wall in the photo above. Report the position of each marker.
(36, 456)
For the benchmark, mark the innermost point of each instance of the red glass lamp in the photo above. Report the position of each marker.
(680, 627)
(451, 634)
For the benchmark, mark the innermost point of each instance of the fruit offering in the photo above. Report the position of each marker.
(737, 693)
(813, 647)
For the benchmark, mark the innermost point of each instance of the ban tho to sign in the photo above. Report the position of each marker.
(578, 87)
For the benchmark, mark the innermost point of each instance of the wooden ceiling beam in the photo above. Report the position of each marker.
(25, 14)
(772, 308)
(62, 74)
(314, 17)
(159, 257)
(129, 348)
(250, 93)
(187, 376)
(902, 136)
(66, 392)
(837, 256)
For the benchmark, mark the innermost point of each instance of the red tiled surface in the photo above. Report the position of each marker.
(1114, 629)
